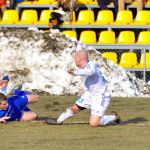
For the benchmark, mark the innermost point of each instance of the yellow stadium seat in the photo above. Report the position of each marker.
(28, 17)
(44, 17)
(104, 17)
(45, 2)
(70, 33)
(124, 17)
(142, 18)
(144, 37)
(10, 17)
(88, 37)
(128, 60)
(126, 37)
(85, 17)
(107, 37)
(142, 61)
(112, 56)
(148, 2)
(85, 2)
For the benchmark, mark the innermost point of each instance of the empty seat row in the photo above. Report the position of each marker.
(108, 37)
(27, 17)
(55, 2)
(104, 17)
(128, 59)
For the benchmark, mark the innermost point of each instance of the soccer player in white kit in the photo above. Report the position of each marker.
(96, 96)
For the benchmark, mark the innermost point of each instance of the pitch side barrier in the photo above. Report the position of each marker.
(74, 27)
(120, 48)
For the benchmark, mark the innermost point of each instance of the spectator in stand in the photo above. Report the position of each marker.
(3, 6)
(64, 13)
(103, 4)
(13, 3)
(121, 4)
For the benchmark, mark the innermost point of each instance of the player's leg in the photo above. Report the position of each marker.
(69, 112)
(98, 109)
(81, 104)
(32, 97)
(29, 116)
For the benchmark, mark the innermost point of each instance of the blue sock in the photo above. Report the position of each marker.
(5, 78)
(21, 92)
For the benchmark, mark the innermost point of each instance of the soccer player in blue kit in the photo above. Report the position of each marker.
(95, 96)
(15, 108)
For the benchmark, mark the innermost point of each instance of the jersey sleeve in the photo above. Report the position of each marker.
(87, 71)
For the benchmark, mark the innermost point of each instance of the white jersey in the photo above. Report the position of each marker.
(95, 83)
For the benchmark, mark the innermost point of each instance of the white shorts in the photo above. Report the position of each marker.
(97, 104)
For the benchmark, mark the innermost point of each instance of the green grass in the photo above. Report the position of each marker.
(132, 134)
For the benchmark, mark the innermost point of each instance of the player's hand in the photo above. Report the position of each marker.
(71, 71)
(4, 119)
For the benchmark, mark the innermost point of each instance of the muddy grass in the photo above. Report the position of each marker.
(132, 134)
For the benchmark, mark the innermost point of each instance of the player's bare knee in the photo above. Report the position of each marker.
(94, 123)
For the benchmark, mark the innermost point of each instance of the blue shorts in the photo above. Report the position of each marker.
(17, 104)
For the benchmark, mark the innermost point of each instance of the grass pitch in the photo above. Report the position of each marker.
(132, 134)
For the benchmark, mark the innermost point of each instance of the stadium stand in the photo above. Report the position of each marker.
(29, 17)
(107, 37)
(124, 17)
(104, 17)
(44, 16)
(126, 37)
(85, 17)
(144, 37)
(39, 2)
(128, 60)
(144, 61)
(111, 56)
(125, 30)
(70, 33)
(10, 17)
(142, 18)
(88, 37)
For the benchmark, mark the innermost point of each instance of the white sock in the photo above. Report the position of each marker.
(108, 120)
(67, 114)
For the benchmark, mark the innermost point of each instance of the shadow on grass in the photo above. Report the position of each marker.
(133, 120)
(52, 121)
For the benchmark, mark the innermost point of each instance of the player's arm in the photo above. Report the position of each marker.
(4, 119)
(87, 71)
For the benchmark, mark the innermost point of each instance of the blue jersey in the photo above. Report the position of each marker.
(16, 106)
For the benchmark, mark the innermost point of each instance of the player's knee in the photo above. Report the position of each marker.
(29, 116)
(94, 123)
